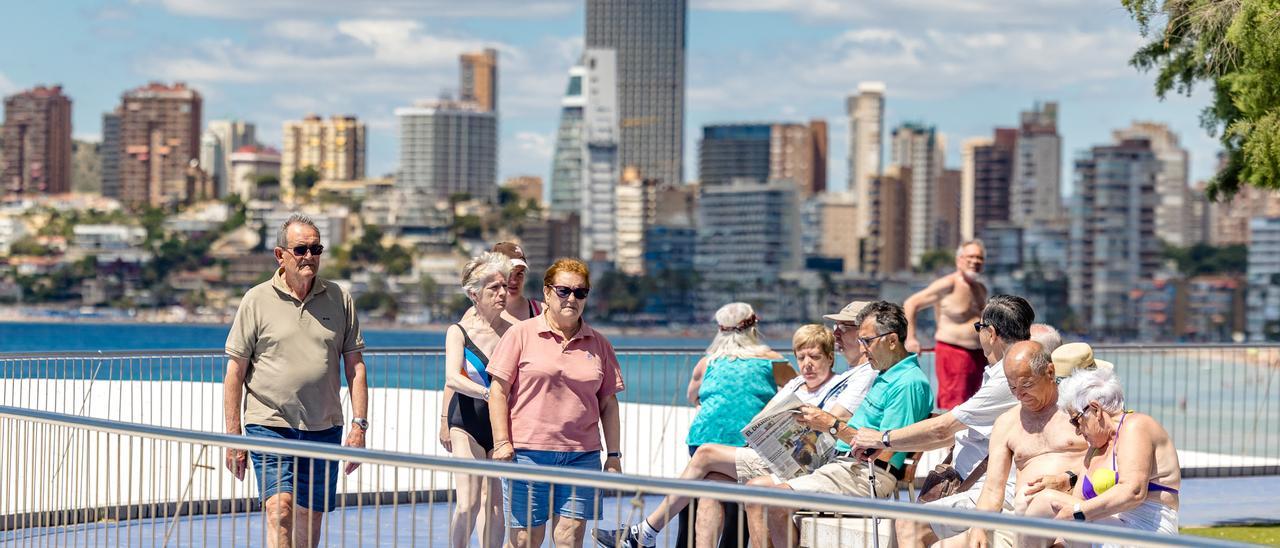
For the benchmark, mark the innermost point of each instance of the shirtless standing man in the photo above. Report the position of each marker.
(960, 297)
(1034, 436)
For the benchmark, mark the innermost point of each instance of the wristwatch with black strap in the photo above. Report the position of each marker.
(1078, 513)
(835, 427)
(884, 438)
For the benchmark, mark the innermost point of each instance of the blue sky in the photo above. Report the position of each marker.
(965, 66)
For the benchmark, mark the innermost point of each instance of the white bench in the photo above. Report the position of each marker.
(850, 532)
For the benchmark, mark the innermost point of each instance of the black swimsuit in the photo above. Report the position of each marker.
(468, 413)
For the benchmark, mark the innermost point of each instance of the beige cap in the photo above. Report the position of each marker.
(1072, 356)
(849, 313)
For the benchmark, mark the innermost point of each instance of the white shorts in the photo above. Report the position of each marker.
(750, 465)
(1151, 516)
(967, 500)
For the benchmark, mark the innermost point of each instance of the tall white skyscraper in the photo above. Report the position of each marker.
(600, 158)
(1173, 213)
(1036, 193)
(866, 138)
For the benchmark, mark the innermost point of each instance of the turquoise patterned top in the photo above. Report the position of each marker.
(733, 390)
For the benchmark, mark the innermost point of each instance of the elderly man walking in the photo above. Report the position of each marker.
(287, 343)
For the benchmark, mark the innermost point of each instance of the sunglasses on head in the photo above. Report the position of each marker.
(301, 250)
(563, 292)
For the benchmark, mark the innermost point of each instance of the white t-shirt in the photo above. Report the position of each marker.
(979, 414)
(860, 379)
(828, 391)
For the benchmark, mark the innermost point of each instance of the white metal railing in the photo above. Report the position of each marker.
(56, 487)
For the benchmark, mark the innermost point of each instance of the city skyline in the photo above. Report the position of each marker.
(948, 66)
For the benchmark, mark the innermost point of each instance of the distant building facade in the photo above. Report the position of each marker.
(478, 79)
(159, 140)
(334, 146)
(36, 138)
(448, 148)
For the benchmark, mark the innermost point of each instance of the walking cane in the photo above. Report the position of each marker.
(875, 520)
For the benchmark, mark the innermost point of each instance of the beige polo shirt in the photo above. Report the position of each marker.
(294, 350)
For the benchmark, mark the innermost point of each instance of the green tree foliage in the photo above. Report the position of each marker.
(1201, 259)
(28, 246)
(936, 259)
(304, 180)
(1231, 45)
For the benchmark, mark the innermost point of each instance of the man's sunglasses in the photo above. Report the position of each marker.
(979, 326)
(866, 341)
(301, 250)
(564, 292)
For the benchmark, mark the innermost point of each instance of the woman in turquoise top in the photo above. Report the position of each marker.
(734, 381)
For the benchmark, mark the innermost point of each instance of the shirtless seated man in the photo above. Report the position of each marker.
(1035, 436)
(960, 297)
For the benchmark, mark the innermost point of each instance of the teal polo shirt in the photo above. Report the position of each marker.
(900, 396)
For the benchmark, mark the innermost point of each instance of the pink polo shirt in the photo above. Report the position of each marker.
(555, 392)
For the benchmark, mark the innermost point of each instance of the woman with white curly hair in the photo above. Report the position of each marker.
(1131, 473)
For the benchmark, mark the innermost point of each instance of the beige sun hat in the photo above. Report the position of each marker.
(849, 313)
(1073, 356)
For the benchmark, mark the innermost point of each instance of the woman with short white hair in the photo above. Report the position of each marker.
(1131, 473)
(465, 427)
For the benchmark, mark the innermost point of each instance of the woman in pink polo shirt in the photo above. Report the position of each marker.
(555, 385)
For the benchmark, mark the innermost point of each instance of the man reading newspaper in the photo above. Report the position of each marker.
(899, 396)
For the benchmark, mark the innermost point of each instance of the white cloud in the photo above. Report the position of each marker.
(6, 85)
(301, 30)
(256, 9)
(535, 146)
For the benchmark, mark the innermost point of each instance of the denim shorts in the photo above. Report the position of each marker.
(313, 482)
(529, 503)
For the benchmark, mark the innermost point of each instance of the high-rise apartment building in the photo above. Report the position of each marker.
(830, 229)
(992, 171)
(866, 142)
(221, 139)
(798, 153)
(1229, 219)
(602, 167)
(159, 142)
(649, 38)
(1173, 211)
(923, 150)
(749, 233)
(37, 142)
(886, 249)
(112, 151)
(1113, 244)
(630, 204)
(448, 148)
(1264, 279)
(946, 227)
(1035, 195)
(478, 78)
(335, 147)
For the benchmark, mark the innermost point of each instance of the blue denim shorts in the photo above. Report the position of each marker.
(528, 503)
(313, 482)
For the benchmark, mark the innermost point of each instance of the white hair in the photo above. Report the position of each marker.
(975, 241)
(480, 268)
(1047, 336)
(732, 342)
(1085, 386)
(282, 237)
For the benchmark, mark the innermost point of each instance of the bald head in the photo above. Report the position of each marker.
(1030, 375)
(1026, 358)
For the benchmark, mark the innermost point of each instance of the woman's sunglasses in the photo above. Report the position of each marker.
(564, 292)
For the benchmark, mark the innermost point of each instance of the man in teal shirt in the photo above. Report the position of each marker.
(900, 396)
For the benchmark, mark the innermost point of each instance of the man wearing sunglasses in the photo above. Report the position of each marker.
(295, 333)
(899, 396)
(1005, 321)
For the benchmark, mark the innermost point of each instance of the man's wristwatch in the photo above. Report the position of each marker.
(363, 424)
(884, 438)
(1071, 479)
(613, 455)
(835, 427)
(1078, 514)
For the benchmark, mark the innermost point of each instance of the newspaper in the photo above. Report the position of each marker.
(791, 449)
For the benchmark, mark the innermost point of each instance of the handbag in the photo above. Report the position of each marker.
(944, 480)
